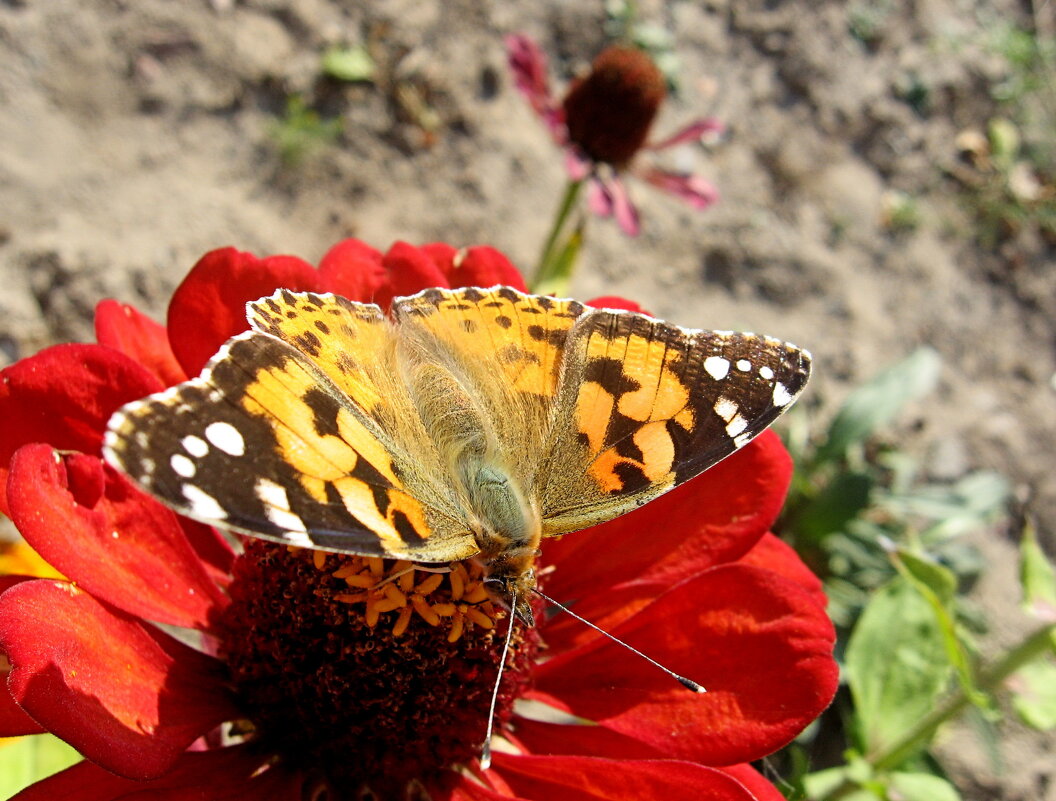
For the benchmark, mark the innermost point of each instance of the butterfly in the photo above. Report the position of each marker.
(469, 423)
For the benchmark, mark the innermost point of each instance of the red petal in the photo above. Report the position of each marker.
(64, 396)
(410, 270)
(124, 328)
(353, 269)
(14, 722)
(757, 641)
(125, 695)
(774, 554)
(209, 306)
(540, 737)
(227, 774)
(715, 518)
(100, 531)
(211, 547)
(485, 266)
(615, 302)
(578, 778)
(468, 790)
(756, 784)
(443, 256)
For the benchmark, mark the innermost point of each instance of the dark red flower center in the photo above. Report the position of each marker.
(369, 675)
(608, 113)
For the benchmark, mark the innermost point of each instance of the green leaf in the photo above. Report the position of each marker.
(932, 575)
(938, 586)
(1034, 698)
(878, 402)
(25, 760)
(838, 502)
(896, 664)
(1036, 576)
(920, 787)
(348, 64)
(824, 782)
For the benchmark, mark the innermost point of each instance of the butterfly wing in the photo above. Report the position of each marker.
(505, 349)
(269, 441)
(644, 405)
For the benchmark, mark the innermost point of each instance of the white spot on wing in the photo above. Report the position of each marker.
(226, 437)
(726, 408)
(195, 446)
(744, 365)
(182, 466)
(277, 506)
(781, 395)
(287, 521)
(737, 425)
(203, 505)
(717, 367)
(298, 538)
(272, 494)
(766, 372)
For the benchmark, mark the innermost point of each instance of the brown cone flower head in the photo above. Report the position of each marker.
(610, 111)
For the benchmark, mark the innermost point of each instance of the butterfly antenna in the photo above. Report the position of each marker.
(485, 751)
(689, 684)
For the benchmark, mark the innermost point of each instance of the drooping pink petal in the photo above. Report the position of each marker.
(709, 128)
(757, 641)
(64, 395)
(124, 694)
(580, 778)
(599, 199)
(690, 189)
(623, 208)
(100, 531)
(577, 165)
(774, 554)
(209, 306)
(714, 518)
(353, 269)
(125, 328)
(226, 774)
(528, 66)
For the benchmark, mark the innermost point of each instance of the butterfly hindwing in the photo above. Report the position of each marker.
(645, 405)
(264, 443)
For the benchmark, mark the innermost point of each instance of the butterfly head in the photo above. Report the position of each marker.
(516, 590)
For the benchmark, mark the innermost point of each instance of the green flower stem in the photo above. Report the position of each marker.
(550, 275)
(990, 680)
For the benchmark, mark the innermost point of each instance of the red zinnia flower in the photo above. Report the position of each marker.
(604, 121)
(182, 669)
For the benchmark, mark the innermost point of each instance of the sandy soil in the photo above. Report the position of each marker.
(136, 137)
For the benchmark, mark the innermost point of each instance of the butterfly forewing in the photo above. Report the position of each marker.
(265, 444)
(650, 405)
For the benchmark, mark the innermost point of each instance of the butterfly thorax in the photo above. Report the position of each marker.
(507, 529)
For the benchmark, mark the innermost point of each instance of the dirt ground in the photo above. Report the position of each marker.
(135, 136)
